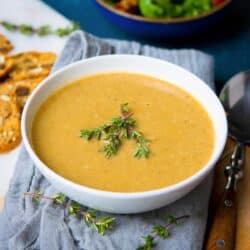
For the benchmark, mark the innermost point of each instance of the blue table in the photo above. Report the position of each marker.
(228, 42)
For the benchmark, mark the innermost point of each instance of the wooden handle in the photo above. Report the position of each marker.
(222, 222)
(243, 208)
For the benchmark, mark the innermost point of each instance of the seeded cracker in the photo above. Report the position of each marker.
(19, 75)
(10, 134)
(5, 45)
(6, 64)
(31, 65)
(23, 89)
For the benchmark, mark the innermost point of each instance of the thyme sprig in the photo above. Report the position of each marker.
(99, 224)
(103, 224)
(115, 131)
(44, 30)
(160, 231)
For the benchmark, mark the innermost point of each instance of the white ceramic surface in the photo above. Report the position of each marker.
(127, 202)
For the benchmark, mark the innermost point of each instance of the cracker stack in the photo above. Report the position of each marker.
(19, 75)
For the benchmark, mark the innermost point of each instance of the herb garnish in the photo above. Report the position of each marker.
(27, 29)
(101, 225)
(160, 231)
(115, 131)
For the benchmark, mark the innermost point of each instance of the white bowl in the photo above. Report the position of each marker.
(126, 202)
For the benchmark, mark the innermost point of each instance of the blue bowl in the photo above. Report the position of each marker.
(155, 28)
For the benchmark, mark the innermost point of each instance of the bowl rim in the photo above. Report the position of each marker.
(215, 9)
(111, 194)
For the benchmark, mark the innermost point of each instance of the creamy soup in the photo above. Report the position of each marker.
(180, 131)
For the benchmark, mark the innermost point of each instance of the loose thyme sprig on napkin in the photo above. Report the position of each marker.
(160, 231)
(43, 30)
(115, 131)
(103, 224)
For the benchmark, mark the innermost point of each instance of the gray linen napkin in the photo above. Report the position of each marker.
(28, 225)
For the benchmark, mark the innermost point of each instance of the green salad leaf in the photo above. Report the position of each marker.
(150, 8)
(171, 8)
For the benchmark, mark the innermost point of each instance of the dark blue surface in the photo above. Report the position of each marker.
(154, 30)
(228, 42)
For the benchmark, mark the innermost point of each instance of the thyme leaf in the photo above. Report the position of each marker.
(59, 199)
(142, 145)
(124, 108)
(103, 224)
(74, 208)
(171, 219)
(161, 231)
(148, 243)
